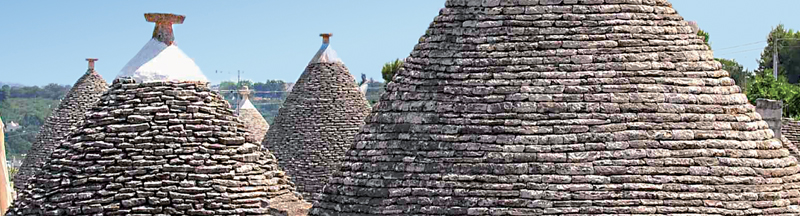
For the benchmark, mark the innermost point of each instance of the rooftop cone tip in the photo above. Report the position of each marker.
(326, 54)
(160, 59)
(246, 104)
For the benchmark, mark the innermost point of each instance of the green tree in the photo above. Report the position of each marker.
(54, 91)
(706, 37)
(736, 70)
(390, 69)
(764, 85)
(5, 92)
(788, 44)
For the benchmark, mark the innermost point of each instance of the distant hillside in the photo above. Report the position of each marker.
(29, 106)
(10, 84)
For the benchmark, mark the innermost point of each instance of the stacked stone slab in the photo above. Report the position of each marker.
(65, 118)
(317, 122)
(160, 147)
(256, 125)
(790, 131)
(563, 107)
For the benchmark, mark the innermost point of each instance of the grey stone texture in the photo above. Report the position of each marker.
(563, 107)
(316, 125)
(159, 148)
(64, 119)
(255, 123)
(771, 111)
(790, 132)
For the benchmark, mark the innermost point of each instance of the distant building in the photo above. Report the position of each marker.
(12, 126)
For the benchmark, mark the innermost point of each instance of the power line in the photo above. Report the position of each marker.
(741, 51)
(748, 50)
(737, 46)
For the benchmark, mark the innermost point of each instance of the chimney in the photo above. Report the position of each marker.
(163, 29)
(245, 92)
(326, 37)
(91, 63)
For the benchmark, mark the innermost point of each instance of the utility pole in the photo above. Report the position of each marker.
(235, 91)
(775, 58)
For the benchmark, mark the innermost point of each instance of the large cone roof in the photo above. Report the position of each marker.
(172, 143)
(317, 123)
(64, 119)
(157, 61)
(563, 107)
(161, 146)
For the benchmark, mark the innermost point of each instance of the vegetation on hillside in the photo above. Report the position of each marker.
(29, 106)
(267, 96)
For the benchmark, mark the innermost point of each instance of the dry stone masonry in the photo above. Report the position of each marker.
(317, 122)
(255, 123)
(65, 118)
(790, 132)
(771, 112)
(160, 148)
(563, 107)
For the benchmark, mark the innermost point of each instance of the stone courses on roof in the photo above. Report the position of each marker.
(255, 123)
(65, 118)
(160, 148)
(791, 131)
(317, 123)
(563, 107)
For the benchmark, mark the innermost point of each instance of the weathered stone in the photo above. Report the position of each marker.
(148, 165)
(69, 115)
(255, 123)
(621, 109)
(317, 123)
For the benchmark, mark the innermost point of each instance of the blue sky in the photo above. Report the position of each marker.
(47, 41)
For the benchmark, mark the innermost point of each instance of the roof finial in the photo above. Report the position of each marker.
(326, 37)
(164, 21)
(244, 91)
(91, 62)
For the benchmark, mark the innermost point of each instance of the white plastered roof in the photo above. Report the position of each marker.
(247, 105)
(326, 54)
(157, 61)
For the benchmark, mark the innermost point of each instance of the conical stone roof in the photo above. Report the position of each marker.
(64, 119)
(317, 122)
(255, 123)
(563, 107)
(159, 148)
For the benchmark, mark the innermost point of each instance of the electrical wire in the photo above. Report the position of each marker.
(737, 46)
(740, 51)
(748, 50)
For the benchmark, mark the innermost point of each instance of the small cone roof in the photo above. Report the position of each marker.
(252, 118)
(170, 147)
(563, 107)
(65, 118)
(317, 122)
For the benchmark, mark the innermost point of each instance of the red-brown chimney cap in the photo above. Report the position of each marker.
(163, 29)
(91, 62)
(164, 18)
(326, 37)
